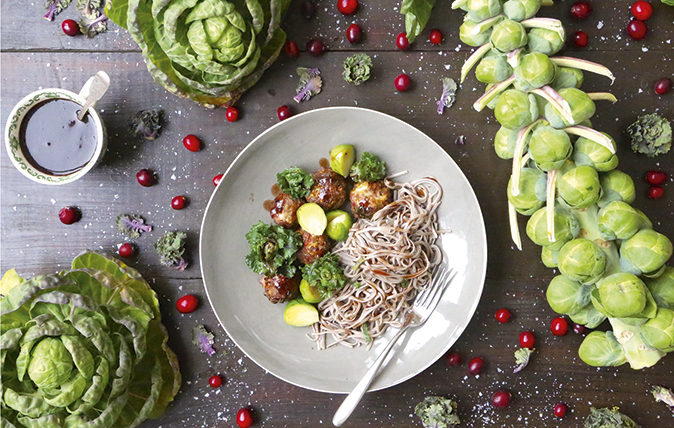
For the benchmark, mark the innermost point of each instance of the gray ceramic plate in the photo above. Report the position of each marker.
(257, 326)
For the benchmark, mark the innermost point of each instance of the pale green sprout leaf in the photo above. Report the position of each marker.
(522, 357)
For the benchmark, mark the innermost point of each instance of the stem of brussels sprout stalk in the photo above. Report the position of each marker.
(602, 96)
(473, 59)
(492, 93)
(591, 134)
(550, 204)
(486, 24)
(514, 227)
(556, 100)
(518, 158)
(581, 64)
(546, 23)
(459, 3)
(547, 2)
(514, 57)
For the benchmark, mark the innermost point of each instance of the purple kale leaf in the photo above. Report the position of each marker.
(132, 225)
(448, 94)
(54, 7)
(171, 248)
(203, 339)
(310, 83)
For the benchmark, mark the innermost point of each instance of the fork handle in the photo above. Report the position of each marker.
(352, 400)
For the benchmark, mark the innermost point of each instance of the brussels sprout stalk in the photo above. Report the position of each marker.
(492, 93)
(473, 59)
(514, 227)
(591, 134)
(514, 57)
(581, 64)
(486, 24)
(555, 100)
(602, 96)
(546, 23)
(550, 204)
(638, 354)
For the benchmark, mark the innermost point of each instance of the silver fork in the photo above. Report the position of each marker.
(423, 307)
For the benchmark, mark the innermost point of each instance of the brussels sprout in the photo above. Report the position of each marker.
(507, 36)
(550, 254)
(616, 186)
(518, 10)
(579, 188)
(601, 349)
(582, 260)
(466, 36)
(645, 253)
(658, 332)
(566, 296)
(620, 295)
(480, 10)
(504, 142)
(618, 220)
(662, 288)
(582, 108)
(545, 41)
(515, 109)
(589, 316)
(567, 77)
(535, 70)
(566, 227)
(493, 69)
(549, 147)
(591, 153)
(527, 202)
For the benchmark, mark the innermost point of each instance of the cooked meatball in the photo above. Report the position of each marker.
(329, 189)
(313, 247)
(279, 288)
(367, 198)
(284, 210)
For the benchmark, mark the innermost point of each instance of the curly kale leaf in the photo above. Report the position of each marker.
(608, 418)
(93, 20)
(448, 94)
(368, 168)
(357, 68)
(54, 7)
(203, 339)
(295, 181)
(310, 83)
(437, 412)
(171, 248)
(665, 395)
(132, 225)
(272, 249)
(651, 134)
(522, 357)
(147, 123)
(326, 274)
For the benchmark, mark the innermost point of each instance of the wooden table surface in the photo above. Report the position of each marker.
(36, 54)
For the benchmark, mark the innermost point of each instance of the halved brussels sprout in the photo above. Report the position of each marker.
(507, 36)
(601, 349)
(616, 186)
(493, 69)
(645, 253)
(591, 153)
(658, 332)
(582, 260)
(518, 10)
(545, 41)
(504, 142)
(527, 201)
(618, 220)
(567, 77)
(579, 188)
(566, 227)
(662, 288)
(466, 36)
(550, 147)
(567, 296)
(582, 108)
(620, 295)
(516, 109)
(534, 71)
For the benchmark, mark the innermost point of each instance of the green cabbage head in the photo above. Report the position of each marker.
(85, 347)
(210, 51)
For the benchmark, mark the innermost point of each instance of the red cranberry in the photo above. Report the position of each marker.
(402, 42)
(354, 33)
(475, 366)
(70, 27)
(578, 328)
(217, 179)
(145, 177)
(637, 29)
(642, 10)
(500, 399)
(435, 37)
(503, 315)
(178, 202)
(560, 410)
(656, 192)
(527, 339)
(453, 359)
(126, 250)
(291, 49)
(402, 82)
(308, 9)
(580, 39)
(283, 112)
(315, 47)
(559, 326)
(656, 177)
(347, 7)
(192, 143)
(186, 304)
(69, 215)
(663, 86)
(215, 381)
(244, 418)
(232, 114)
(581, 10)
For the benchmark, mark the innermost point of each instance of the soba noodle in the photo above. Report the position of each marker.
(388, 259)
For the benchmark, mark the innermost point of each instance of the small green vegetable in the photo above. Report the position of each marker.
(608, 418)
(203, 339)
(171, 247)
(437, 412)
(310, 83)
(522, 357)
(300, 313)
(368, 168)
(147, 123)
(272, 249)
(668, 2)
(326, 274)
(357, 68)
(448, 94)
(93, 20)
(295, 181)
(651, 135)
(132, 225)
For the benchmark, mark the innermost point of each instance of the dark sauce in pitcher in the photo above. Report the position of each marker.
(54, 141)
